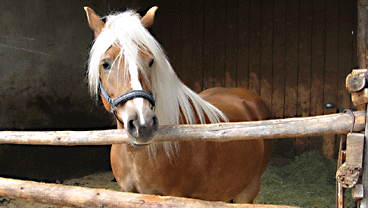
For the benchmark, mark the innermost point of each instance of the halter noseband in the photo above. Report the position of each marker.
(125, 97)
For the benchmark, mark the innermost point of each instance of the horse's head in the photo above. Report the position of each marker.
(120, 69)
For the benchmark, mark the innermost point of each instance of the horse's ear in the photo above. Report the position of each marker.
(147, 20)
(95, 23)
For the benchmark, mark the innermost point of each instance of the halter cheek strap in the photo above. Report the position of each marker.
(126, 97)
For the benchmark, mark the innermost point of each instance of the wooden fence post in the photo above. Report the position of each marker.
(362, 33)
(362, 63)
(358, 87)
(364, 201)
(355, 155)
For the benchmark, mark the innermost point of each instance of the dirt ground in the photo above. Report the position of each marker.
(307, 181)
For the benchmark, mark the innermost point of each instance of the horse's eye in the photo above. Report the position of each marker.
(151, 62)
(106, 66)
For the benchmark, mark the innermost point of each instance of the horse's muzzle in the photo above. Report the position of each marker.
(142, 132)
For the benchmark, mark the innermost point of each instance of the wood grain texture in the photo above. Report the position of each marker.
(291, 53)
(208, 44)
(197, 39)
(87, 197)
(255, 15)
(332, 58)
(348, 174)
(266, 52)
(278, 72)
(243, 45)
(231, 43)
(221, 132)
(219, 52)
(318, 57)
(345, 64)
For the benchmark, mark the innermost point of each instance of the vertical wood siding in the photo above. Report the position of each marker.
(295, 54)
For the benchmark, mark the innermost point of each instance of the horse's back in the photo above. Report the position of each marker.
(238, 104)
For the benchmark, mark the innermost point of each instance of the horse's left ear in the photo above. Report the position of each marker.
(95, 23)
(147, 20)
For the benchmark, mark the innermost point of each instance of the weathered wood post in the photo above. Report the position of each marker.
(353, 159)
(362, 33)
(351, 173)
(362, 63)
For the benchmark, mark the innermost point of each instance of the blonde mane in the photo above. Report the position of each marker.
(126, 31)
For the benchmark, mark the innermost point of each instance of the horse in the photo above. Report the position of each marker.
(129, 70)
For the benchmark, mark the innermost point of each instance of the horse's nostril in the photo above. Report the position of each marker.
(155, 122)
(132, 129)
(131, 124)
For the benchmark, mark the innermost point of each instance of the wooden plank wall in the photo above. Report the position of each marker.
(295, 54)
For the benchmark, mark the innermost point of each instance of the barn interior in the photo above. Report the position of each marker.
(295, 54)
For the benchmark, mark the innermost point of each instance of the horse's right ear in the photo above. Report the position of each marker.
(147, 20)
(95, 23)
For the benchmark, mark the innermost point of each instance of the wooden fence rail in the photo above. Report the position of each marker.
(87, 197)
(270, 129)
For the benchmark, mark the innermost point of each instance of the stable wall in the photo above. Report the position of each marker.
(43, 53)
(44, 46)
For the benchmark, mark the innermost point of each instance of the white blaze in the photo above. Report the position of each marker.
(136, 85)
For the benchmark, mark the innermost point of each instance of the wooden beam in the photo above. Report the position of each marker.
(222, 132)
(362, 34)
(87, 197)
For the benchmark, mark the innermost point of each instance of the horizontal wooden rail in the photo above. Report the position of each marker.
(340, 123)
(87, 197)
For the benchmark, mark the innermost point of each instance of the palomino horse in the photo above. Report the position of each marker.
(130, 71)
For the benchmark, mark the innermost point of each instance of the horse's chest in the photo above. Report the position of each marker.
(198, 170)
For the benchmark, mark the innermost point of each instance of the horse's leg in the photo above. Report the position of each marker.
(250, 192)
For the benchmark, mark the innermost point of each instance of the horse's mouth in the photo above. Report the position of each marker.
(139, 145)
(139, 142)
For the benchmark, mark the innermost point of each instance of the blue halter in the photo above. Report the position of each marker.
(125, 97)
